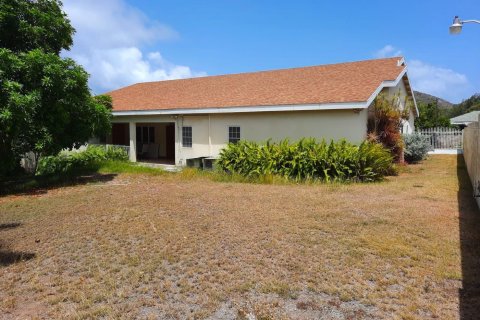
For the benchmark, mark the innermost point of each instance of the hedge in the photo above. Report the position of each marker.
(308, 159)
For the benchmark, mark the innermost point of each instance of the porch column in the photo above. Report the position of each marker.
(133, 141)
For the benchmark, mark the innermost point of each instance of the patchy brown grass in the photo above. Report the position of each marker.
(143, 246)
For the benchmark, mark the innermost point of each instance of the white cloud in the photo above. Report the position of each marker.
(109, 40)
(387, 51)
(441, 82)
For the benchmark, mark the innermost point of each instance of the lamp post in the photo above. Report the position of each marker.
(457, 24)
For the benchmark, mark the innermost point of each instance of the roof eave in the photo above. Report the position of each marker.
(243, 109)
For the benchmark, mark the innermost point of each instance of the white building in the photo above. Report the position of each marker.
(172, 121)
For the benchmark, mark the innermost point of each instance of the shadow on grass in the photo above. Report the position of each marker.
(11, 225)
(8, 257)
(33, 185)
(469, 222)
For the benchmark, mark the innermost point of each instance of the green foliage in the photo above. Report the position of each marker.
(308, 159)
(431, 116)
(466, 106)
(45, 102)
(385, 123)
(416, 147)
(120, 166)
(27, 25)
(71, 162)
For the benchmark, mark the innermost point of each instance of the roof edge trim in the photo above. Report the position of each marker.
(275, 108)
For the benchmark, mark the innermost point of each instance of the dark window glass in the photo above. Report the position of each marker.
(233, 134)
(145, 134)
(139, 134)
(187, 136)
(151, 134)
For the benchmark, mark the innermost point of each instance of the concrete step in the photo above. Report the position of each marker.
(166, 167)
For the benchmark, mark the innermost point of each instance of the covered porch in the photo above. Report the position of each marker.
(148, 141)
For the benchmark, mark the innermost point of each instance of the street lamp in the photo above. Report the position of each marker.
(457, 24)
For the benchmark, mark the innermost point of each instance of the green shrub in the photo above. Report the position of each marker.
(68, 162)
(308, 159)
(416, 147)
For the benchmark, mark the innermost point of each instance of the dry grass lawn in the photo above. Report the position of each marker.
(179, 247)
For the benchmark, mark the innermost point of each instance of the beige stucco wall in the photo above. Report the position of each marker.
(261, 126)
(210, 132)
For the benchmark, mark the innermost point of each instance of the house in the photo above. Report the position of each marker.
(173, 121)
(465, 119)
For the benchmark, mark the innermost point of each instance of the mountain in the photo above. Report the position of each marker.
(449, 109)
(428, 98)
(466, 106)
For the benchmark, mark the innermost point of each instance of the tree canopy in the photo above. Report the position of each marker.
(432, 116)
(27, 25)
(45, 102)
(467, 105)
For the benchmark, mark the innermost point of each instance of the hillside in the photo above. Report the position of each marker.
(428, 98)
(433, 115)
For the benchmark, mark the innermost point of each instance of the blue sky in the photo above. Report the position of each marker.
(121, 42)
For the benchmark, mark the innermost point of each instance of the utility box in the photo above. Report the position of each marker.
(195, 163)
(209, 163)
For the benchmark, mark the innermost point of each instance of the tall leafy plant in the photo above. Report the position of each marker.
(308, 159)
(386, 117)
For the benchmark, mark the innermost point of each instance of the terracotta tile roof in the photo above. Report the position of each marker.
(343, 82)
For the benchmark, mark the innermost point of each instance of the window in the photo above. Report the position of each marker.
(145, 135)
(233, 134)
(151, 134)
(187, 137)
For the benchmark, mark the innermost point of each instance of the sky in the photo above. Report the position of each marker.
(121, 42)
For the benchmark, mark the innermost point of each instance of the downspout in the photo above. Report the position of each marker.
(209, 138)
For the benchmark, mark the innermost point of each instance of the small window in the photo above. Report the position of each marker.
(187, 137)
(233, 134)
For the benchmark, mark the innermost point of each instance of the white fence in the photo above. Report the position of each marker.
(443, 138)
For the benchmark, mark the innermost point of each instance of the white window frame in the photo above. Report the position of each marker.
(191, 137)
(239, 133)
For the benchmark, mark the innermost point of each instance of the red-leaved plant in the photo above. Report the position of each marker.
(385, 122)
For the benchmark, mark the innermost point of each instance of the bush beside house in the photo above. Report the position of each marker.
(308, 159)
(416, 147)
(73, 161)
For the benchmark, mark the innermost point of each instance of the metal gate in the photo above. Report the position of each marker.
(444, 138)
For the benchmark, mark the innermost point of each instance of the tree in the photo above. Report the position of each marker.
(45, 102)
(431, 116)
(27, 25)
(467, 105)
